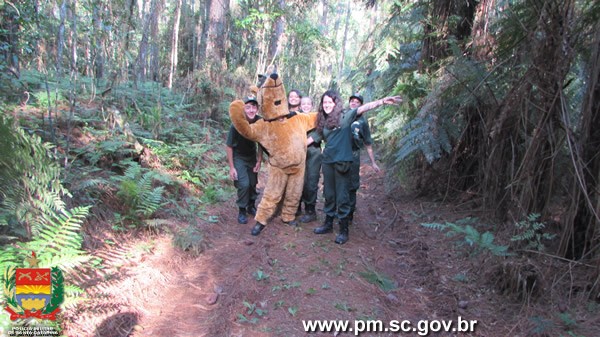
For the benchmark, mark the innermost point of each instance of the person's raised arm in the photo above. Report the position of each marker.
(375, 104)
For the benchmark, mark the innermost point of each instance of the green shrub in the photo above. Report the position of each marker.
(478, 241)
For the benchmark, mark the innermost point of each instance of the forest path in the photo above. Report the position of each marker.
(391, 269)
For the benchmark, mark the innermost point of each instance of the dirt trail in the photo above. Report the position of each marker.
(391, 269)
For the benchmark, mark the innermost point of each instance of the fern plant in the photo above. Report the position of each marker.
(59, 242)
(426, 135)
(432, 130)
(531, 232)
(137, 193)
(31, 207)
(30, 186)
(381, 280)
(190, 239)
(471, 236)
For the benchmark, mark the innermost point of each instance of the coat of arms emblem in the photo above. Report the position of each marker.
(33, 292)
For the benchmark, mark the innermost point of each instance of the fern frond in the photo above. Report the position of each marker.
(59, 242)
(72, 296)
(427, 135)
(436, 226)
(150, 202)
(66, 259)
(471, 236)
(157, 222)
(91, 183)
(486, 239)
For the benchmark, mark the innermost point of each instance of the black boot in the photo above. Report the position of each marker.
(350, 217)
(342, 237)
(293, 223)
(251, 209)
(309, 214)
(257, 229)
(242, 216)
(327, 226)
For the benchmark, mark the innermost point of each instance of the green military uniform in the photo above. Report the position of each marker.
(311, 175)
(244, 160)
(361, 134)
(337, 159)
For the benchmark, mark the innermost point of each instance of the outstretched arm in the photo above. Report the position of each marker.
(372, 105)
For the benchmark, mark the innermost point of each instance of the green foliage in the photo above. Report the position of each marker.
(343, 307)
(253, 18)
(541, 325)
(380, 280)
(148, 104)
(106, 150)
(478, 241)
(190, 239)
(251, 309)
(460, 86)
(30, 183)
(137, 193)
(530, 232)
(32, 208)
(429, 135)
(59, 241)
(57, 246)
(260, 275)
(198, 164)
(43, 101)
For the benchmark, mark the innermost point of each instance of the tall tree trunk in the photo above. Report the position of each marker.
(147, 61)
(97, 41)
(274, 43)
(215, 46)
(73, 77)
(174, 43)
(483, 41)
(125, 63)
(142, 67)
(155, 42)
(201, 33)
(193, 42)
(60, 40)
(323, 21)
(39, 46)
(343, 47)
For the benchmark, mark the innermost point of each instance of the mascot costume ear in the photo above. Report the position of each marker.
(283, 135)
(261, 80)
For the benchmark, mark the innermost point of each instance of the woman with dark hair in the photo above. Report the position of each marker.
(294, 97)
(333, 125)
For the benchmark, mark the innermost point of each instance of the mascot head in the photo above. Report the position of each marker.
(271, 96)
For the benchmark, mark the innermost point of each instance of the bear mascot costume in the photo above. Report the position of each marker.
(283, 135)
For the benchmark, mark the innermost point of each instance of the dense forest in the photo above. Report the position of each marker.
(501, 110)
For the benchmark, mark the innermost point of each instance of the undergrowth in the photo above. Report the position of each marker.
(133, 173)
